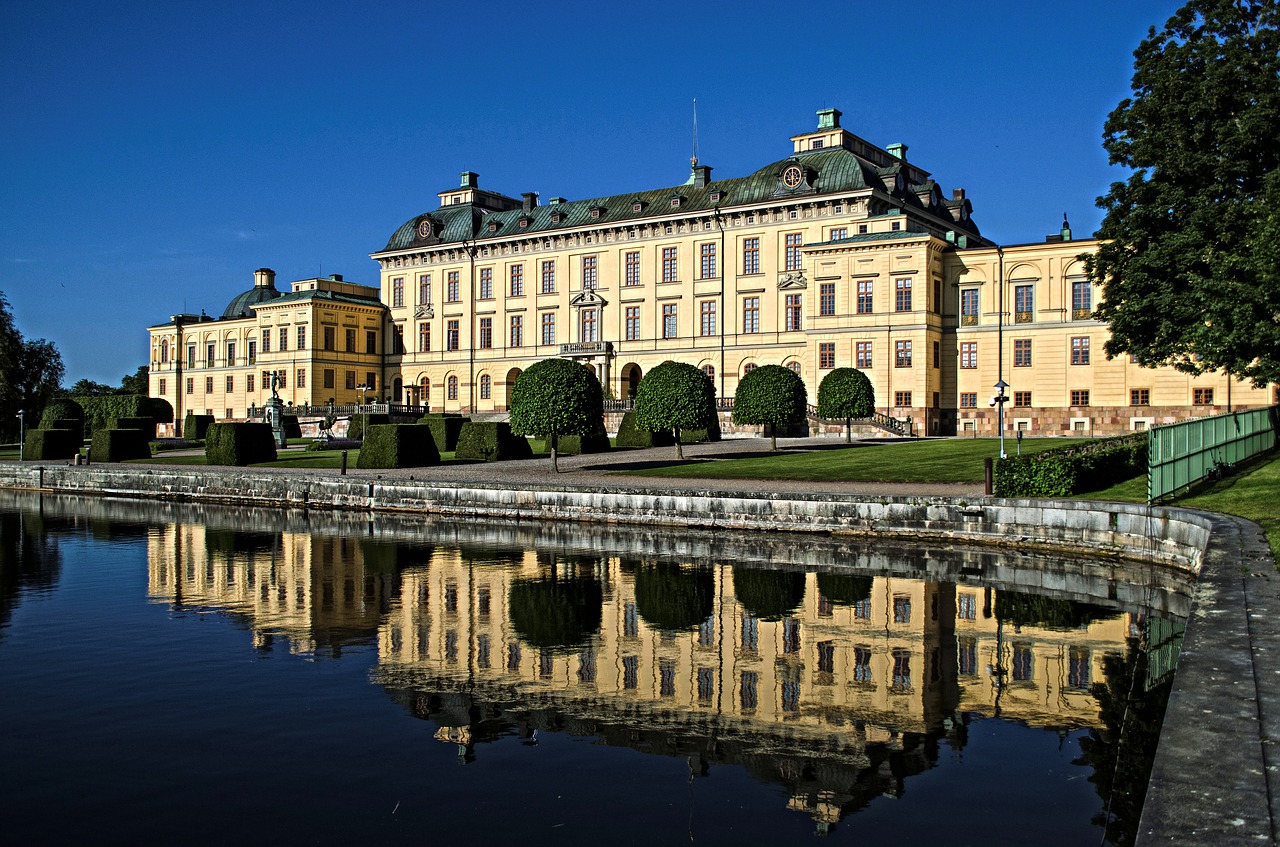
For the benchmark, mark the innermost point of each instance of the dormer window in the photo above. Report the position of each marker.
(595, 213)
(524, 221)
(818, 144)
(637, 205)
(493, 226)
(557, 217)
(716, 196)
(676, 200)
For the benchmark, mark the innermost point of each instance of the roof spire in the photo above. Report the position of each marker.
(694, 160)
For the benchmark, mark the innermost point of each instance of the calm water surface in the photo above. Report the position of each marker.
(193, 675)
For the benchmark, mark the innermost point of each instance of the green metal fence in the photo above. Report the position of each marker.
(1184, 453)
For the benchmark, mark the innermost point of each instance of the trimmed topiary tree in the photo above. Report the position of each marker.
(239, 444)
(61, 408)
(675, 396)
(195, 427)
(141, 424)
(359, 422)
(575, 445)
(51, 444)
(770, 396)
(557, 397)
(674, 598)
(397, 446)
(102, 410)
(846, 393)
(767, 594)
(555, 613)
(120, 445)
(844, 589)
(444, 429)
(490, 441)
(632, 435)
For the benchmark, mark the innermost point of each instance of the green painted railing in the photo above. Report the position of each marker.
(1181, 454)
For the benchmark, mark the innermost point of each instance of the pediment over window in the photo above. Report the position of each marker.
(586, 298)
(792, 279)
(424, 312)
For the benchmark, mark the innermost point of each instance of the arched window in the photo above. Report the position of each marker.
(452, 388)
(748, 368)
(486, 386)
(164, 351)
(795, 367)
(709, 370)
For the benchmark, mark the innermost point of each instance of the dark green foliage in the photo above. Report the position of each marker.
(102, 411)
(1035, 610)
(51, 444)
(844, 589)
(72, 425)
(397, 446)
(767, 594)
(575, 445)
(557, 397)
(555, 613)
(845, 393)
(195, 426)
(630, 435)
(491, 441)
(444, 429)
(360, 421)
(702, 436)
(770, 395)
(147, 425)
(1189, 251)
(671, 597)
(239, 444)
(292, 429)
(1072, 470)
(119, 445)
(674, 397)
(61, 408)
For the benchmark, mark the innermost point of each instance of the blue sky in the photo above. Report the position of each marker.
(155, 154)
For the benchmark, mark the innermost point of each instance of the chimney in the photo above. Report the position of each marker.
(898, 151)
(530, 201)
(556, 201)
(335, 277)
(957, 194)
(1066, 228)
(470, 179)
(264, 278)
(828, 119)
(701, 176)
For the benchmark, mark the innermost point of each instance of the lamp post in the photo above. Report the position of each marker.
(22, 434)
(363, 388)
(998, 401)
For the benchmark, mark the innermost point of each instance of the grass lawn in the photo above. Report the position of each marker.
(1251, 492)
(950, 460)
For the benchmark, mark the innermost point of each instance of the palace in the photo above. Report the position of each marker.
(842, 254)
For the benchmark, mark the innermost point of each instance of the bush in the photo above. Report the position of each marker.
(100, 410)
(359, 422)
(557, 397)
(61, 408)
(574, 445)
(120, 445)
(770, 395)
(491, 441)
(196, 426)
(444, 429)
(631, 435)
(398, 446)
(767, 594)
(147, 425)
(51, 444)
(1065, 471)
(555, 613)
(701, 436)
(674, 598)
(72, 425)
(239, 444)
(292, 429)
(679, 397)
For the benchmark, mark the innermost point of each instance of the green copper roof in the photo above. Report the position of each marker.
(243, 304)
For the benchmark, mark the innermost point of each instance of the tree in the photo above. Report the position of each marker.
(557, 397)
(137, 382)
(1189, 262)
(772, 396)
(38, 376)
(675, 396)
(846, 393)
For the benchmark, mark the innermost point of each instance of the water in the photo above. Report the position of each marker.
(197, 675)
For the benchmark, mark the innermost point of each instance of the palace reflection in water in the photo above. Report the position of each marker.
(833, 669)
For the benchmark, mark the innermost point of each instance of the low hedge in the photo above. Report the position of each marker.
(72, 425)
(398, 446)
(630, 435)
(51, 444)
(195, 426)
(120, 445)
(360, 422)
(445, 428)
(491, 441)
(1065, 471)
(239, 444)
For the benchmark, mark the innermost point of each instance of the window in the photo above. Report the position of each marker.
(281, 376)
(548, 327)
(328, 378)
(707, 261)
(968, 354)
(330, 338)
(1078, 668)
(748, 368)
(669, 272)
(968, 307)
(632, 262)
(969, 400)
(486, 284)
(371, 342)
(230, 384)
(902, 354)
(451, 335)
(163, 386)
(937, 355)
(902, 398)
(838, 233)
(1022, 352)
(1023, 663)
(1022, 398)
(1081, 299)
(1080, 398)
(902, 603)
(300, 379)
(397, 292)
(1140, 397)
(748, 695)
(424, 289)
(750, 314)
(1080, 350)
(710, 371)
(751, 255)
(827, 355)
(486, 333)
(231, 353)
(588, 325)
(827, 298)
(902, 295)
(794, 367)
(865, 290)
(424, 337)
(707, 314)
(793, 315)
(966, 606)
(164, 352)
(862, 355)
(1023, 301)
(208, 385)
(486, 386)
(632, 323)
(588, 273)
(549, 277)
(452, 293)
(350, 380)
(669, 320)
(793, 243)
(517, 330)
(191, 385)
(302, 338)
(451, 387)
(351, 340)
(517, 281)
(284, 339)
(1202, 396)
(209, 349)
